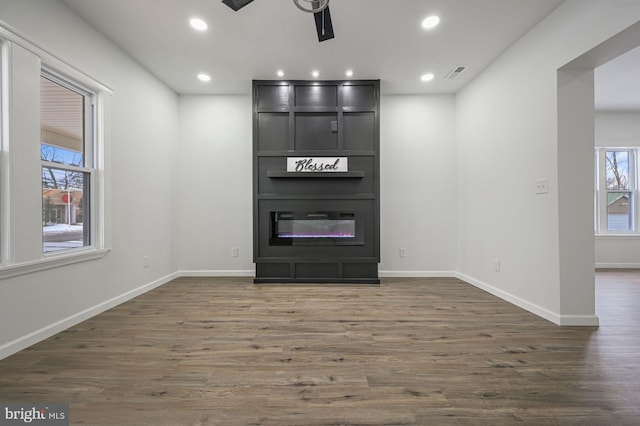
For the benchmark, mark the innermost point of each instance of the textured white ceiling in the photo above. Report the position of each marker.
(376, 38)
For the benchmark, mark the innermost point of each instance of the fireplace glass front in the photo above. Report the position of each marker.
(313, 228)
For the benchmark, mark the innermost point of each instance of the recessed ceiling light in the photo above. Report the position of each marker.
(427, 77)
(349, 73)
(204, 77)
(315, 74)
(430, 22)
(198, 24)
(280, 73)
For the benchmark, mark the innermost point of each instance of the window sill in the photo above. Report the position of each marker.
(50, 263)
(616, 236)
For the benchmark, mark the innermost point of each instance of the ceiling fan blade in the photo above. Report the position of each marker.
(236, 5)
(324, 27)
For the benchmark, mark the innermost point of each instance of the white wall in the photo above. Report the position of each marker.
(507, 124)
(214, 187)
(142, 168)
(617, 129)
(418, 185)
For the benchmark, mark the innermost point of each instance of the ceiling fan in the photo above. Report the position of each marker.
(319, 8)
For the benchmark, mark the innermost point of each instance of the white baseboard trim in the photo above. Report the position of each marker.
(416, 274)
(32, 338)
(569, 320)
(609, 265)
(217, 273)
(580, 320)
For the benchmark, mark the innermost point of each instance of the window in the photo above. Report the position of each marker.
(66, 147)
(52, 203)
(616, 191)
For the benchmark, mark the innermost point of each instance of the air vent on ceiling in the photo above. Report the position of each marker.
(454, 73)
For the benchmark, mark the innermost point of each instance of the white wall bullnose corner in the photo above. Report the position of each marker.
(554, 317)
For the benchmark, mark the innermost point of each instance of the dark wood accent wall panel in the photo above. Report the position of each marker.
(314, 132)
(316, 119)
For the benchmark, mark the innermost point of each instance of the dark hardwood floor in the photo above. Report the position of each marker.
(223, 351)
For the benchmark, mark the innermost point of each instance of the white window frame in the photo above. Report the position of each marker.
(602, 193)
(89, 153)
(4, 157)
(12, 264)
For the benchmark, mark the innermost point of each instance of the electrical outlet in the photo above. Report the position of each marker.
(403, 252)
(235, 252)
(145, 262)
(542, 186)
(496, 265)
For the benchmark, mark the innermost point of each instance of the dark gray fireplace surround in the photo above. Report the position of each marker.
(316, 181)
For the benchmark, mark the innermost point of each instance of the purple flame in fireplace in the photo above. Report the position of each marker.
(324, 228)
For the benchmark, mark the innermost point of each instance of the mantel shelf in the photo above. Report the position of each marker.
(281, 174)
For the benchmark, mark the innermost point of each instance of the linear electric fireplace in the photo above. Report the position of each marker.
(316, 181)
(314, 228)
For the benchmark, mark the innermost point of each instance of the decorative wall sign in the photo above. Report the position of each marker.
(317, 164)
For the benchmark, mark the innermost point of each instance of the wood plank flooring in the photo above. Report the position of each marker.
(222, 351)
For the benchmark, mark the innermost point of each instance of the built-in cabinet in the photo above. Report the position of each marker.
(316, 181)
